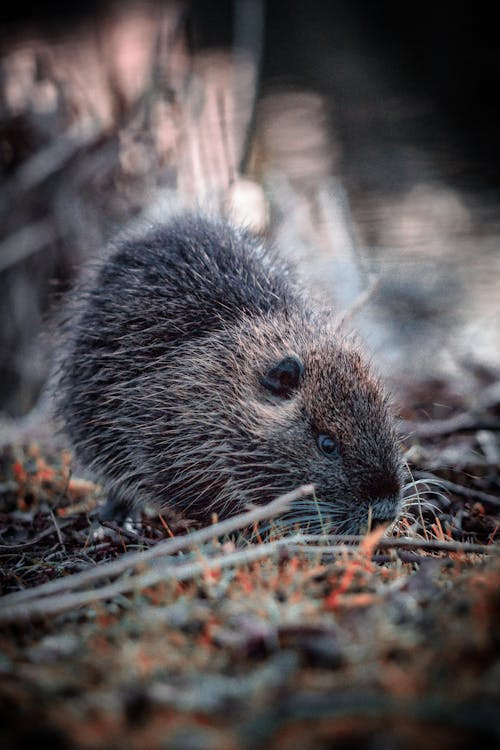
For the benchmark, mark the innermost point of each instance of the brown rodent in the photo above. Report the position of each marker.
(196, 376)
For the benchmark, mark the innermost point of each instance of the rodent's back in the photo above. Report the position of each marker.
(185, 279)
(156, 292)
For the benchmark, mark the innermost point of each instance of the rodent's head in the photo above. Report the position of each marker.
(331, 419)
(290, 402)
(325, 418)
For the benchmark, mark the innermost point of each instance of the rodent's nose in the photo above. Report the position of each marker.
(382, 487)
(383, 493)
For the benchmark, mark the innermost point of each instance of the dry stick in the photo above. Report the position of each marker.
(58, 603)
(168, 547)
(27, 241)
(459, 489)
(400, 542)
(359, 303)
(132, 536)
(439, 427)
(57, 528)
(45, 162)
(11, 548)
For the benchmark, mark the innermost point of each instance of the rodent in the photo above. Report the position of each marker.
(197, 376)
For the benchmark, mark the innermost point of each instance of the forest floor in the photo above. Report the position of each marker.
(252, 634)
(228, 641)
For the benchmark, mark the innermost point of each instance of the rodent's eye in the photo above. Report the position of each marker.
(328, 445)
(283, 379)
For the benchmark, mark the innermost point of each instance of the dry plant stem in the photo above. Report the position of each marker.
(44, 606)
(168, 547)
(11, 548)
(51, 159)
(441, 427)
(359, 303)
(25, 242)
(396, 543)
(57, 603)
(459, 489)
(323, 544)
(57, 528)
(130, 535)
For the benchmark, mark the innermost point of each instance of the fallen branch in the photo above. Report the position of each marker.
(20, 609)
(27, 241)
(398, 543)
(441, 427)
(11, 548)
(458, 489)
(46, 162)
(359, 303)
(132, 536)
(168, 547)
(55, 604)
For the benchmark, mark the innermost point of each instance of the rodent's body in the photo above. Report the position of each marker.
(196, 377)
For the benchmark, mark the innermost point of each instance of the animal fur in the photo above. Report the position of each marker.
(163, 392)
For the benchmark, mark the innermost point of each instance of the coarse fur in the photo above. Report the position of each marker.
(163, 387)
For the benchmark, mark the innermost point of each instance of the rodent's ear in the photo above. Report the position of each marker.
(283, 379)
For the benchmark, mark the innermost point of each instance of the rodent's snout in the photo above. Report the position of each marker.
(382, 486)
(384, 510)
(384, 499)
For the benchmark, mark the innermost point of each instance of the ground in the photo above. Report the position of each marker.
(368, 645)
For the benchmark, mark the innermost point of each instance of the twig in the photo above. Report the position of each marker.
(53, 158)
(27, 241)
(359, 303)
(458, 489)
(168, 547)
(401, 543)
(57, 528)
(57, 603)
(166, 571)
(130, 535)
(441, 427)
(6, 548)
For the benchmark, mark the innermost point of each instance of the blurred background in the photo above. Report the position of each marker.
(361, 137)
